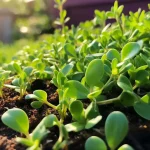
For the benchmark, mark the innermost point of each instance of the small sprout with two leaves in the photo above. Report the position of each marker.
(17, 120)
(116, 128)
(62, 14)
(84, 118)
(21, 82)
(41, 96)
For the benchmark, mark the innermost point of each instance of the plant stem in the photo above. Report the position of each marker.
(51, 105)
(107, 82)
(109, 101)
(119, 23)
(27, 135)
(135, 86)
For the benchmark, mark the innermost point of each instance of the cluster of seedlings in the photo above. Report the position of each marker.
(95, 64)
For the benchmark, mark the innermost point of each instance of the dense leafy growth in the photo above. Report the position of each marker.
(95, 64)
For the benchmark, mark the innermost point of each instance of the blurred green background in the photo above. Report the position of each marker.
(30, 21)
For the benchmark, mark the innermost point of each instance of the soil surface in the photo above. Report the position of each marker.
(139, 128)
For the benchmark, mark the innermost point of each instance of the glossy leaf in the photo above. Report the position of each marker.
(130, 50)
(36, 104)
(78, 114)
(66, 69)
(95, 143)
(91, 111)
(124, 83)
(42, 95)
(94, 94)
(141, 77)
(146, 98)
(143, 109)
(31, 96)
(116, 128)
(92, 122)
(125, 147)
(114, 66)
(75, 126)
(17, 120)
(70, 50)
(128, 98)
(94, 72)
(125, 68)
(74, 89)
(111, 54)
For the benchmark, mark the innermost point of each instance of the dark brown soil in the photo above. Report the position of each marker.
(138, 136)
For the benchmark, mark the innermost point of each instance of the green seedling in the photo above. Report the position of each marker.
(84, 118)
(41, 96)
(41, 70)
(103, 63)
(95, 143)
(22, 81)
(62, 14)
(3, 77)
(17, 120)
(116, 128)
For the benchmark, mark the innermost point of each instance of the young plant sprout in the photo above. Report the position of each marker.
(3, 77)
(62, 14)
(41, 96)
(18, 120)
(116, 128)
(84, 118)
(21, 82)
(92, 65)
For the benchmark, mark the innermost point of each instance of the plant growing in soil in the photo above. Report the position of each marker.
(116, 128)
(3, 78)
(84, 119)
(18, 120)
(41, 96)
(90, 72)
(22, 81)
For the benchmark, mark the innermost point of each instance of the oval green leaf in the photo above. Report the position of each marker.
(116, 128)
(128, 98)
(94, 72)
(124, 83)
(143, 109)
(93, 122)
(95, 143)
(75, 126)
(42, 95)
(70, 50)
(77, 111)
(36, 104)
(130, 50)
(17, 120)
(74, 89)
(125, 147)
(111, 54)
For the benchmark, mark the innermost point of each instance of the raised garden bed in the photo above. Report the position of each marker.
(84, 88)
(80, 11)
